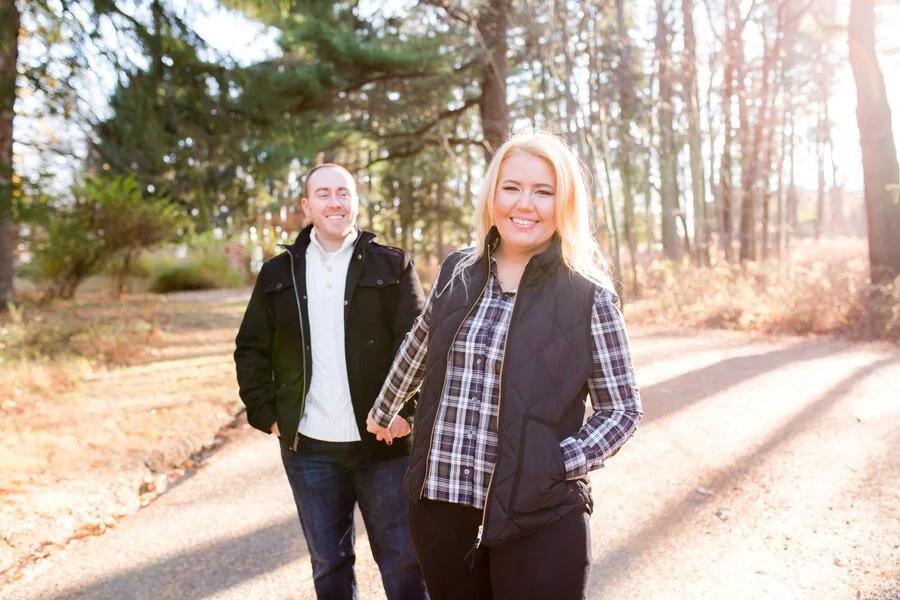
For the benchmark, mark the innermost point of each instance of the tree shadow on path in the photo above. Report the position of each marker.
(668, 397)
(617, 560)
(201, 572)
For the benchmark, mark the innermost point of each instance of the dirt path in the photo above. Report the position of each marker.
(764, 469)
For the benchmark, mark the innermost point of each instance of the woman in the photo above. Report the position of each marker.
(516, 333)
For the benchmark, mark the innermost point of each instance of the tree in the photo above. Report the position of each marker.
(628, 108)
(879, 154)
(9, 52)
(492, 23)
(695, 143)
(668, 150)
(107, 218)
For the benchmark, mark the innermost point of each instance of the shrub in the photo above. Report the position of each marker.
(817, 290)
(204, 272)
(107, 218)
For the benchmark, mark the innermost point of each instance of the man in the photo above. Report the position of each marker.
(316, 342)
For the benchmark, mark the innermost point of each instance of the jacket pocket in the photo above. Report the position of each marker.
(374, 299)
(289, 404)
(540, 480)
(281, 297)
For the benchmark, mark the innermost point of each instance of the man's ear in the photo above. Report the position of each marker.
(304, 204)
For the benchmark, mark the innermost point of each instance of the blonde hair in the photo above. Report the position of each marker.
(580, 251)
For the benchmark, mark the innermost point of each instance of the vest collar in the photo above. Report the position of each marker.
(540, 265)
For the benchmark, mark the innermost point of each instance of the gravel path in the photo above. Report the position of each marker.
(764, 468)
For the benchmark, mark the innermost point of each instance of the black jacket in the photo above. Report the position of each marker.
(543, 388)
(382, 298)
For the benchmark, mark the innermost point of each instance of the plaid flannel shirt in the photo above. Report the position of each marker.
(464, 444)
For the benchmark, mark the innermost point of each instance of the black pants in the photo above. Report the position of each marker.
(552, 562)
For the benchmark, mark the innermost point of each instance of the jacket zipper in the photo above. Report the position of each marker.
(444, 378)
(487, 493)
(302, 349)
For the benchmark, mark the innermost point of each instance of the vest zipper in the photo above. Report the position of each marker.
(487, 493)
(444, 378)
(302, 349)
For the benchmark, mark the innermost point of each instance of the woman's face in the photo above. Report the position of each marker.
(525, 204)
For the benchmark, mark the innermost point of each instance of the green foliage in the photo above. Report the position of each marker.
(203, 272)
(107, 218)
(203, 266)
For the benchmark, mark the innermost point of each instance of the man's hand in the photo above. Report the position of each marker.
(400, 427)
(274, 429)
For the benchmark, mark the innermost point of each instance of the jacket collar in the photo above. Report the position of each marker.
(302, 241)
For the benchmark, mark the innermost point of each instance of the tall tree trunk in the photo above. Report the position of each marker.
(627, 109)
(439, 220)
(749, 147)
(692, 106)
(668, 157)
(791, 203)
(612, 219)
(820, 171)
(9, 56)
(879, 154)
(726, 181)
(836, 193)
(493, 19)
(779, 191)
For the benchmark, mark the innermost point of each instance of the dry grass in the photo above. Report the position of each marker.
(101, 400)
(821, 289)
(114, 377)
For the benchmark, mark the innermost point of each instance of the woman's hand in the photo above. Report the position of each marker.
(381, 433)
(399, 428)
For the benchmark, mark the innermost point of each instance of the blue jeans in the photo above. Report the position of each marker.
(328, 480)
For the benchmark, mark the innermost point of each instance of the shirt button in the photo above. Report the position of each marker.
(380, 282)
(328, 286)
(478, 362)
(466, 472)
(328, 269)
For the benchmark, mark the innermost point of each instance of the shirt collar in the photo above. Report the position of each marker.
(348, 242)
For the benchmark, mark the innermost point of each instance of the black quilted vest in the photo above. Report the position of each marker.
(543, 390)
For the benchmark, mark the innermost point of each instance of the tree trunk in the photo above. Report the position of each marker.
(749, 147)
(820, 178)
(439, 220)
(9, 56)
(879, 154)
(791, 203)
(695, 143)
(726, 181)
(493, 18)
(668, 157)
(628, 108)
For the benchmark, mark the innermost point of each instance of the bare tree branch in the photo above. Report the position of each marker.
(457, 13)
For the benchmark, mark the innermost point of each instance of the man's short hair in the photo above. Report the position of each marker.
(324, 166)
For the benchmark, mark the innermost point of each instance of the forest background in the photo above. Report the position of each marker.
(742, 160)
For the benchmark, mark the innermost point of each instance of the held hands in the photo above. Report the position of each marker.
(399, 428)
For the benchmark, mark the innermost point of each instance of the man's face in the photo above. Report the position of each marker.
(331, 204)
